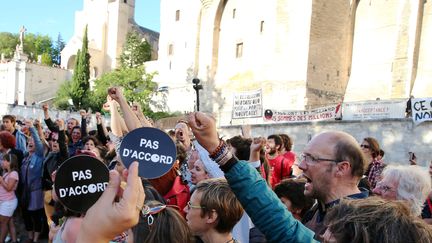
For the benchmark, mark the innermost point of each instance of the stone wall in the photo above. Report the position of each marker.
(30, 82)
(301, 54)
(42, 82)
(328, 64)
(396, 137)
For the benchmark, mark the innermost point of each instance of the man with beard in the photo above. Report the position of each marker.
(277, 162)
(333, 165)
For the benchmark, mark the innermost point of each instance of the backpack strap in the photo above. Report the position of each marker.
(282, 168)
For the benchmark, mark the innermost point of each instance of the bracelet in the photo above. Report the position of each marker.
(221, 153)
(214, 154)
(225, 159)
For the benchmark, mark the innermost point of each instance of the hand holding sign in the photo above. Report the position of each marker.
(80, 181)
(108, 218)
(153, 149)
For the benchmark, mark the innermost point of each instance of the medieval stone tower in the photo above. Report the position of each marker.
(301, 54)
(108, 23)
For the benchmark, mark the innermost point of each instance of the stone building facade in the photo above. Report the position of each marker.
(22, 81)
(302, 54)
(108, 23)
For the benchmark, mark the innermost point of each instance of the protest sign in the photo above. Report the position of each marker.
(247, 104)
(80, 181)
(152, 148)
(374, 109)
(318, 114)
(421, 110)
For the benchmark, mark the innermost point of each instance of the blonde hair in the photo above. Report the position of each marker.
(217, 196)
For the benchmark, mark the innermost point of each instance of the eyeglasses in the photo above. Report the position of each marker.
(365, 146)
(310, 159)
(112, 164)
(189, 205)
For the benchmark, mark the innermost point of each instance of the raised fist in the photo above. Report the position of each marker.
(115, 93)
(82, 113)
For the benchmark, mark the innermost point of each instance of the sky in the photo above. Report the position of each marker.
(51, 17)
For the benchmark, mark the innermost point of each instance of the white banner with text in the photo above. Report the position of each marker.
(369, 110)
(247, 104)
(318, 114)
(421, 110)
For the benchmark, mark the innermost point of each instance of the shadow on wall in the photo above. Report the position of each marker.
(212, 100)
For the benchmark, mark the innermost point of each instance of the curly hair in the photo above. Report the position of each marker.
(7, 140)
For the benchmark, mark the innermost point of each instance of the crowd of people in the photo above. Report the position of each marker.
(241, 189)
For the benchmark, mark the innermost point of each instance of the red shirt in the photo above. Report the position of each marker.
(280, 169)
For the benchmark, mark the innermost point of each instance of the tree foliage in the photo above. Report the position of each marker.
(79, 88)
(46, 59)
(56, 52)
(8, 42)
(34, 45)
(61, 100)
(136, 51)
(137, 84)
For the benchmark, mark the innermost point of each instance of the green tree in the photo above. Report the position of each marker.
(138, 86)
(136, 51)
(35, 45)
(61, 100)
(56, 51)
(46, 59)
(8, 42)
(80, 80)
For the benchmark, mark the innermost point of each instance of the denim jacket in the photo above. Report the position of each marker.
(31, 173)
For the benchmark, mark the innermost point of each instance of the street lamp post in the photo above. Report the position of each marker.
(197, 87)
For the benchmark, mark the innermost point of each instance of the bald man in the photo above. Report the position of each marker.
(332, 163)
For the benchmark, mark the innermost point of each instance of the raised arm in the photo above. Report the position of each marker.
(102, 132)
(136, 107)
(83, 115)
(116, 119)
(37, 141)
(265, 209)
(38, 126)
(129, 116)
(62, 139)
(50, 124)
